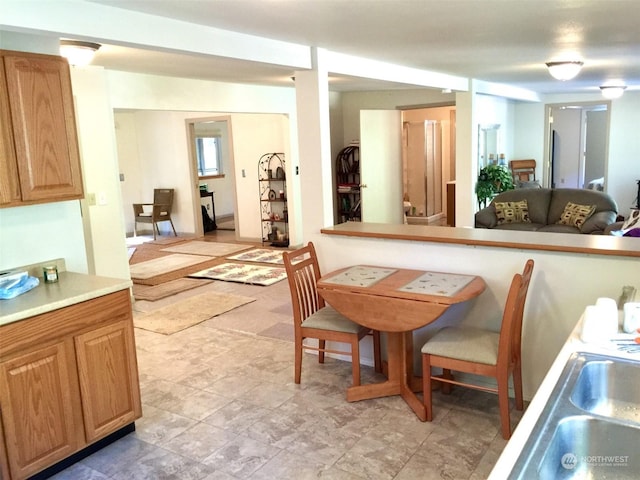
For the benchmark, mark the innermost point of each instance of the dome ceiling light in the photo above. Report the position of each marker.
(612, 91)
(78, 53)
(564, 70)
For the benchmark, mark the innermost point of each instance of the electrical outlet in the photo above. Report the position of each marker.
(91, 199)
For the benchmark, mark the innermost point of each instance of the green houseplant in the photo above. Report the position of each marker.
(492, 180)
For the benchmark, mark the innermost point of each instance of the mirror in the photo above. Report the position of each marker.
(211, 147)
(488, 144)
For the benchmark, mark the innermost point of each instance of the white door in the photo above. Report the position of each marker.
(381, 166)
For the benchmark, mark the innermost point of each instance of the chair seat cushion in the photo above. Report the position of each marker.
(469, 344)
(328, 318)
(148, 214)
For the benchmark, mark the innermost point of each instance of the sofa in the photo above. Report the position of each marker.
(563, 210)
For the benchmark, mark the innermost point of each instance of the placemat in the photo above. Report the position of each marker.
(360, 276)
(434, 283)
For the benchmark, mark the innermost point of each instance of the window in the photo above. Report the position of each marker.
(208, 153)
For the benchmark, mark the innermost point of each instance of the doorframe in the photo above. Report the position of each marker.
(193, 170)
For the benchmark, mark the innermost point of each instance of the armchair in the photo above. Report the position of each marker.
(160, 211)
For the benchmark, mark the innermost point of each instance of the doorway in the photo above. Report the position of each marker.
(578, 145)
(422, 168)
(212, 174)
(428, 160)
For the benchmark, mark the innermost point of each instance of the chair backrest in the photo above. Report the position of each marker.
(303, 273)
(523, 170)
(163, 196)
(511, 331)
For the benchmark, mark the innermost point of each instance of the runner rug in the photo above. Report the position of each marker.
(163, 269)
(157, 292)
(238, 272)
(189, 312)
(260, 255)
(211, 249)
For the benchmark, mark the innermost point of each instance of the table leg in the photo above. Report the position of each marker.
(400, 375)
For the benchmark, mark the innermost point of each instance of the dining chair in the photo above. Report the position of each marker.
(160, 211)
(482, 352)
(523, 170)
(313, 318)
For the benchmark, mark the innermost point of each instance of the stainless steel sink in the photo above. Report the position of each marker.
(588, 447)
(590, 427)
(609, 388)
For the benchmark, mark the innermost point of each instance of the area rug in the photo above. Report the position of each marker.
(238, 272)
(260, 255)
(156, 292)
(212, 249)
(149, 271)
(189, 312)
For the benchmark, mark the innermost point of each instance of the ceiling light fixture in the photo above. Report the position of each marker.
(564, 70)
(78, 53)
(612, 91)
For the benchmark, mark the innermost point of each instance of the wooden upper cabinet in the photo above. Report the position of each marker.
(44, 131)
(9, 183)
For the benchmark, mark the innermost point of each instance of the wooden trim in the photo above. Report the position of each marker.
(210, 177)
(552, 242)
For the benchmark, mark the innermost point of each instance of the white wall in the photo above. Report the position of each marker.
(253, 136)
(103, 223)
(623, 169)
(37, 233)
(154, 153)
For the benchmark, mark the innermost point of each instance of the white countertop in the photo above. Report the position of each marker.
(522, 432)
(70, 289)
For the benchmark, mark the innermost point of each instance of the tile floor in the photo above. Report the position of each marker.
(219, 403)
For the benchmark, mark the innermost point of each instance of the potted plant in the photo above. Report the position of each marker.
(492, 180)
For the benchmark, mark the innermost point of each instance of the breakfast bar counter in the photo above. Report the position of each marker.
(543, 241)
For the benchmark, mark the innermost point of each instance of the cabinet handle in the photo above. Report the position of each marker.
(363, 185)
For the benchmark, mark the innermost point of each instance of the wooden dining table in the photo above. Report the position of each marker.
(396, 301)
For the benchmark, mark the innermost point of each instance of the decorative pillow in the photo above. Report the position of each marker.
(633, 221)
(512, 212)
(575, 214)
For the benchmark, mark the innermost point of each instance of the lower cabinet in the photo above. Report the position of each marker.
(67, 379)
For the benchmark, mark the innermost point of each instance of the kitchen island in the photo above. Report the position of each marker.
(68, 372)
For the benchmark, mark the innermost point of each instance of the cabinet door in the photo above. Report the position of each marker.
(44, 129)
(108, 375)
(9, 183)
(40, 408)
